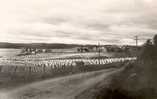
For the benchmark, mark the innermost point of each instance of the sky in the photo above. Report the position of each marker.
(77, 21)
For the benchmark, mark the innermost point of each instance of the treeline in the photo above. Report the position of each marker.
(38, 45)
(42, 45)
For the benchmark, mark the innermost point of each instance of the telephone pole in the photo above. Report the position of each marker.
(136, 39)
(99, 48)
(99, 51)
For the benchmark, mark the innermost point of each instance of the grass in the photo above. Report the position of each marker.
(11, 80)
(122, 85)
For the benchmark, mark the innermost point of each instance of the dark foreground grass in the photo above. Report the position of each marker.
(125, 85)
(109, 93)
(122, 85)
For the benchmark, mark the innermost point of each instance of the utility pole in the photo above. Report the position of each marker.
(136, 39)
(99, 48)
(99, 51)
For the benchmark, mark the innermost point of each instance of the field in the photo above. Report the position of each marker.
(31, 68)
(18, 71)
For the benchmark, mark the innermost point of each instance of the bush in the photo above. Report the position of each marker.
(148, 64)
(155, 40)
(149, 52)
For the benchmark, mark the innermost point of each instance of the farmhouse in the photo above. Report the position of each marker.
(26, 51)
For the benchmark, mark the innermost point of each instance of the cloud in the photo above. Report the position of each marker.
(77, 21)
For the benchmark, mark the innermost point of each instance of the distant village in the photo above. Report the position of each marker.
(82, 49)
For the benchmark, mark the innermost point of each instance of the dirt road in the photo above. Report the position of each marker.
(59, 88)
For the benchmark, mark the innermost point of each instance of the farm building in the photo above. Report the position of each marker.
(91, 49)
(26, 51)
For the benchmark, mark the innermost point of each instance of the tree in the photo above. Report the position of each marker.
(155, 47)
(147, 51)
(155, 40)
(148, 42)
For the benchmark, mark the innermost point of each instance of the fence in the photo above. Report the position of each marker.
(53, 65)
